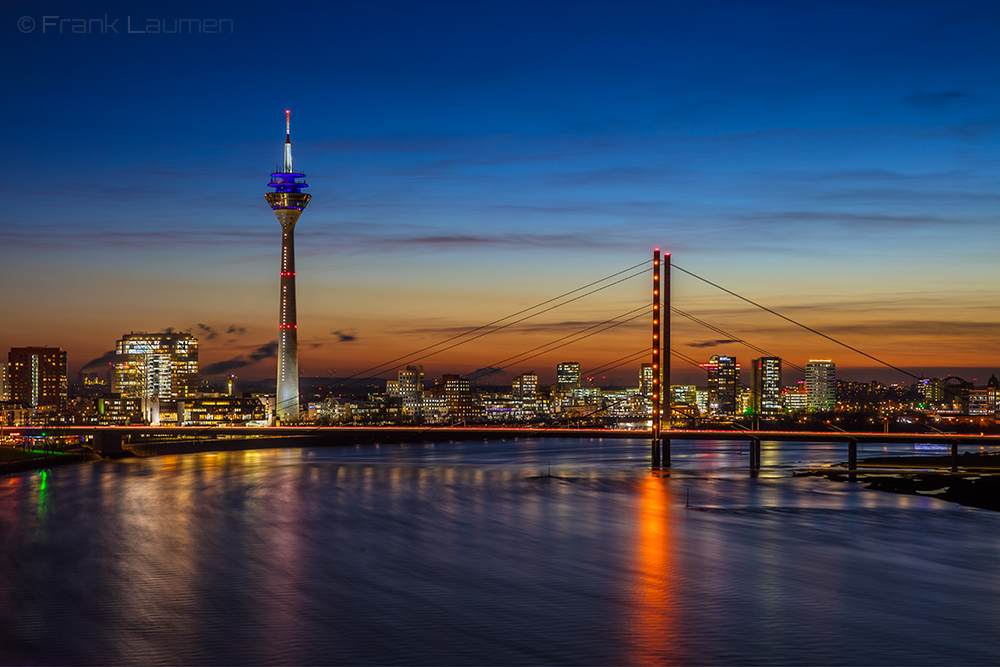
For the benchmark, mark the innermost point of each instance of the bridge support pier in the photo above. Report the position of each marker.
(755, 454)
(666, 453)
(852, 460)
(655, 452)
(954, 457)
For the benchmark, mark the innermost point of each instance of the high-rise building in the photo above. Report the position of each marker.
(524, 391)
(766, 387)
(568, 375)
(701, 400)
(156, 366)
(821, 385)
(37, 377)
(411, 389)
(287, 201)
(723, 384)
(457, 391)
(932, 389)
(646, 380)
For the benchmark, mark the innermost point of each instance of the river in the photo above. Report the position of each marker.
(528, 551)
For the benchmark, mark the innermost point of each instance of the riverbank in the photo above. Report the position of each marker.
(976, 484)
(13, 460)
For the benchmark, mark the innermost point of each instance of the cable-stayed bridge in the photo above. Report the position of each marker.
(661, 413)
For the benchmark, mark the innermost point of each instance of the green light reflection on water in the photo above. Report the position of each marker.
(43, 502)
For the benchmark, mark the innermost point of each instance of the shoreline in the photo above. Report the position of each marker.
(42, 462)
(976, 484)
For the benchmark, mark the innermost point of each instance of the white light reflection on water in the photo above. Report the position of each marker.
(463, 553)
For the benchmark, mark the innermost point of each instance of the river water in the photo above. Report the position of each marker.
(470, 553)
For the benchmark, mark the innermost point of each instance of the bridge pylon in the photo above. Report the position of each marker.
(657, 351)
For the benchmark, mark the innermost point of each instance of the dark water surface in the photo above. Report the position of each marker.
(467, 553)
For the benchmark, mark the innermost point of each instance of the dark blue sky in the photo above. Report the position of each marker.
(839, 161)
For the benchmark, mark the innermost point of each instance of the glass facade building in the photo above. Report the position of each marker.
(821, 385)
(766, 386)
(158, 366)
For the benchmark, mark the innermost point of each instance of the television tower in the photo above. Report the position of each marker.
(287, 201)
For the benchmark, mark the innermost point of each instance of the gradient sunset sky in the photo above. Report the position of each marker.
(838, 162)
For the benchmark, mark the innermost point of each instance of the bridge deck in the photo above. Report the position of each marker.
(418, 433)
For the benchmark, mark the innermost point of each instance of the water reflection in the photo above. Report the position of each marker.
(469, 553)
(651, 637)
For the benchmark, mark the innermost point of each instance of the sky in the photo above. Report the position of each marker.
(835, 162)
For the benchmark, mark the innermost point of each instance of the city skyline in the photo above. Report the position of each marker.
(840, 167)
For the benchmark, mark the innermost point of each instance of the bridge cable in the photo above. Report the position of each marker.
(621, 361)
(643, 308)
(497, 321)
(798, 324)
(502, 327)
(735, 339)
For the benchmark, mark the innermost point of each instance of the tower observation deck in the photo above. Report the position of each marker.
(287, 201)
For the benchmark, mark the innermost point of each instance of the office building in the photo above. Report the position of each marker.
(979, 403)
(794, 397)
(116, 410)
(411, 390)
(723, 384)
(821, 385)
(524, 392)
(222, 411)
(684, 394)
(646, 380)
(156, 366)
(451, 398)
(287, 201)
(932, 390)
(701, 401)
(568, 375)
(36, 377)
(766, 387)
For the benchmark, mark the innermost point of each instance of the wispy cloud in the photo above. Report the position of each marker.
(265, 351)
(206, 332)
(935, 100)
(100, 362)
(712, 343)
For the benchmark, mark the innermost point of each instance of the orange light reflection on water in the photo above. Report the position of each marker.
(654, 595)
